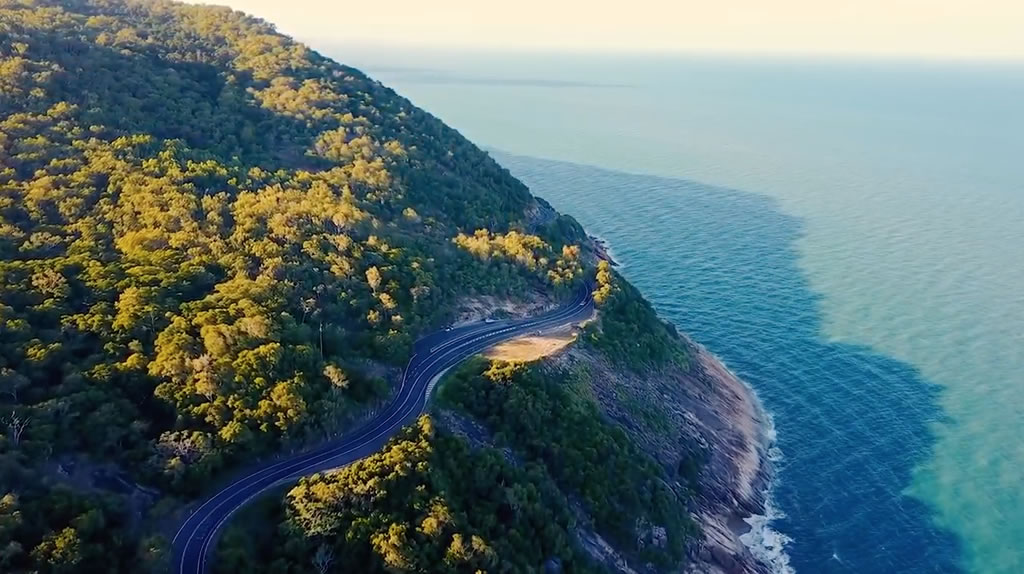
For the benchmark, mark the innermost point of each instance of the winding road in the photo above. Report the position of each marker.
(432, 356)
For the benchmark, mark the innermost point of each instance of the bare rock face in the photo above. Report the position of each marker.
(650, 535)
(478, 308)
(700, 420)
(723, 558)
(540, 213)
(736, 473)
(704, 421)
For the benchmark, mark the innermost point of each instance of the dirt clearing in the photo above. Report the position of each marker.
(533, 346)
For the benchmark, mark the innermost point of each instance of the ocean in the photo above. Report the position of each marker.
(847, 236)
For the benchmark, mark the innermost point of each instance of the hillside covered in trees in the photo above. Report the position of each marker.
(211, 238)
(427, 502)
(216, 244)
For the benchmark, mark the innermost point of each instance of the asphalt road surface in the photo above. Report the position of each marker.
(432, 355)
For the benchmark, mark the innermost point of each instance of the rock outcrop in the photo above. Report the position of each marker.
(701, 413)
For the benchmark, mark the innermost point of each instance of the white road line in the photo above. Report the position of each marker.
(315, 458)
(210, 536)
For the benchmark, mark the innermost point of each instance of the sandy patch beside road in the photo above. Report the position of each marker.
(535, 345)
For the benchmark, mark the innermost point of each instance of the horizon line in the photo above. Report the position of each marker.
(526, 50)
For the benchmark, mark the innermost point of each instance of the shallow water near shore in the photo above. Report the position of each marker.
(848, 237)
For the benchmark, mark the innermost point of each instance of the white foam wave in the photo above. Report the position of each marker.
(607, 246)
(767, 544)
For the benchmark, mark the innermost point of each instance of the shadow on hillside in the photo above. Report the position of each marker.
(145, 90)
(852, 424)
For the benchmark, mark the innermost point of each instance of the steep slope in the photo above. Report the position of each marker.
(216, 244)
(644, 450)
(211, 240)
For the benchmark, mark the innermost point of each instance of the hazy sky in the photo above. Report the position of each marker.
(930, 28)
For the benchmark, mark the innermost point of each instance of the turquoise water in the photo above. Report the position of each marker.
(848, 237)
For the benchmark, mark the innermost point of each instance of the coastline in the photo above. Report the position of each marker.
(602, 248)
(735, 507)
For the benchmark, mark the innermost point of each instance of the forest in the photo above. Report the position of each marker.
(212, 242)
(543, 413)
(512, 494)
(630, 332)
(427, 502)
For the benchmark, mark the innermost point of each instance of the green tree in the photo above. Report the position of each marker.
(207, 232)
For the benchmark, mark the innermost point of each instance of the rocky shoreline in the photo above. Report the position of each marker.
(708, 414)
(723, 415)
(735, 481)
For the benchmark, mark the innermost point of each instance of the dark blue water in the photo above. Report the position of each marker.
(852, 424)
(860, 249)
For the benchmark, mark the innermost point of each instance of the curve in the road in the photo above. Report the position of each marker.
(432, 356)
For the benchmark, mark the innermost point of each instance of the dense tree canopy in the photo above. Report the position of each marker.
(630, 332)
(426, 503)
(206, 230)
(539, 412)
